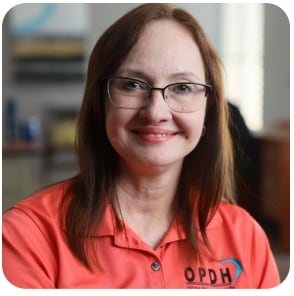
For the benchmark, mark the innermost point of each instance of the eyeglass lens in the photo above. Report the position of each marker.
(134, 94)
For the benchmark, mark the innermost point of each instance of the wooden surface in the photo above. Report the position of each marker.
(275, 182)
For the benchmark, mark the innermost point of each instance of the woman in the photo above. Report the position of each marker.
(152, 205)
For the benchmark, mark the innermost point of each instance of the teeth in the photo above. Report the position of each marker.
(156, 135)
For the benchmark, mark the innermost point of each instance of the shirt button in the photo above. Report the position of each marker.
(155, 266)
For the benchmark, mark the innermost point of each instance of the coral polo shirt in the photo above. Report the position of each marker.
(36, 254)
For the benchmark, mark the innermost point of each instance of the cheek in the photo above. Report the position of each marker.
(114, 133)
(116, 125)
(113, 125)
(195, 134)
(193, 127)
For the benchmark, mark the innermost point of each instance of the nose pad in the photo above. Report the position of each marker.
(157, 97)
(157, 92)
(158, 89)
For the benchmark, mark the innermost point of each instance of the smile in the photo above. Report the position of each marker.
(154, 134)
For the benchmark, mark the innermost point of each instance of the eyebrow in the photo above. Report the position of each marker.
(185, 75)
(142, 74)
(132, 73)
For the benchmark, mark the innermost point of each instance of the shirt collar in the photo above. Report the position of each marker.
(129, 239)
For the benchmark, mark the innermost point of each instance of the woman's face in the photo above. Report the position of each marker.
(153, 136)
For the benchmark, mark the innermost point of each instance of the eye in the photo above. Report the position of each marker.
(131, 85)
(181, 88)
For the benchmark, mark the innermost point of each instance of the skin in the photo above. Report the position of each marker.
(153, 141)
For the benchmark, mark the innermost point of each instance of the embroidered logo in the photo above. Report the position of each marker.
(225, 275)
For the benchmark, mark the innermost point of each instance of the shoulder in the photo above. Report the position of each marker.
(236, 219)
(37, 216)
(31, 235)
(43, 204)
(46, 197)
(233, 213)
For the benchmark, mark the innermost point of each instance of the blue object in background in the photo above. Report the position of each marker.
(31, 129)
(11, 119)
(34, 25)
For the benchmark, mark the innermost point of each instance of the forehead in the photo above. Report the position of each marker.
(165, 47)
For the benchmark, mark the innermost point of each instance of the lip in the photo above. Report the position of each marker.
(154, 134)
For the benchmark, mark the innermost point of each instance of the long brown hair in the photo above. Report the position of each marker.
(206, 177)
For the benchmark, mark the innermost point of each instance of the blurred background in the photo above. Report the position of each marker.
(45, 50)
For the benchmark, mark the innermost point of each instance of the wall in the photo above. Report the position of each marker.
(33, 98)
(276, 66)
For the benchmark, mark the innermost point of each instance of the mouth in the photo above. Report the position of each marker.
(154, 134)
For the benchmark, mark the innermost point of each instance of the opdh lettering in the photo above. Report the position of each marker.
(209, 275)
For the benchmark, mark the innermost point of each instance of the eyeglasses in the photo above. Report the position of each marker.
(129, 93)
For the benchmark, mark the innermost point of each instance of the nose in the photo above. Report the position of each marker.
(156, 109)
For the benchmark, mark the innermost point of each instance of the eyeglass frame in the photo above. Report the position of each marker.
(208, 90)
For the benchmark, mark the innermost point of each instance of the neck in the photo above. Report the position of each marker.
(151, 193)
(146, 203)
